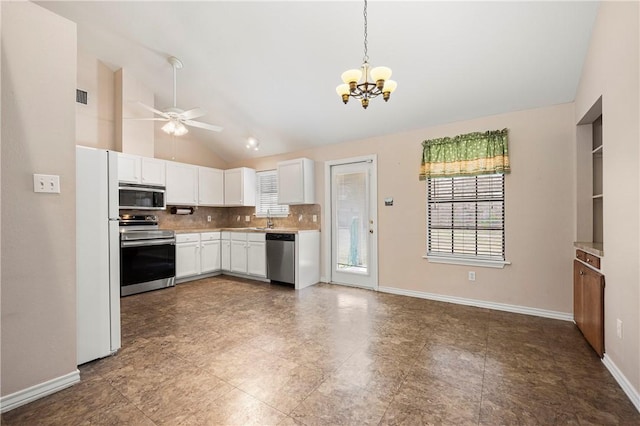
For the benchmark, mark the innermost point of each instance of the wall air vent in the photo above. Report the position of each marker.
(81, 96)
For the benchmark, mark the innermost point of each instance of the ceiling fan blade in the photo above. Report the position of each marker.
(203, 125)
(153, 110)
(192, 113)
(147, 119)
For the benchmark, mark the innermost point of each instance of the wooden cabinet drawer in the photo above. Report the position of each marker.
(588, 258)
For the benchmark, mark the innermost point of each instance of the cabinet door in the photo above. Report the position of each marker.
(182, 184)
(128, 168)
(238, 256)
(589, 305)
(257, 259)
(209, 256)
(240, 187)
(210, 187)
(187, 259)
(296, 181)
(153, 171)
(225, 263)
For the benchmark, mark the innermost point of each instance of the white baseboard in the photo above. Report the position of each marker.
(626, 386)
(25, 396)
(565, 316)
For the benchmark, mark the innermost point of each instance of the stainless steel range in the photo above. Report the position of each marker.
(147, 255)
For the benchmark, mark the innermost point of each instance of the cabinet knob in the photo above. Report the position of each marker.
(581, 272)
(588, 260)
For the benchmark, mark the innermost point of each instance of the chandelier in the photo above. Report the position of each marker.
(380, 85)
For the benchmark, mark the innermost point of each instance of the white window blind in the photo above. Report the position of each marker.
(267, 195)
(465, 217)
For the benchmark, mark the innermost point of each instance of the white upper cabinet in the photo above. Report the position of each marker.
(129, 167)
(240, 187)
(210, 187)
(296, 184)
(141, 170)
(182, 184)
(153, 171)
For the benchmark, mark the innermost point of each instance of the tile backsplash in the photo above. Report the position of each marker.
(300, 217)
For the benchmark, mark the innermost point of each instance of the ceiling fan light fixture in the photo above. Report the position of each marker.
(181, 130)
(253, 143)
(175, 128)
(352, 87)
(170, 127)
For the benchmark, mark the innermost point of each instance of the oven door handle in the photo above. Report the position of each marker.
(142, 243)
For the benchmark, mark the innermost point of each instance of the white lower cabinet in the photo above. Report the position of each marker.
(209, 252)
(187, 255)
(257, 255)
(239, 252)
(225, 248)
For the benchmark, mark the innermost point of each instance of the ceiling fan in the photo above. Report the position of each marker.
(176, 118)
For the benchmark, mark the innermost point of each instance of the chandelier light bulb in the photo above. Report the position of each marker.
(380, 73)
(389, 86)
(351, 76)
(252, 143)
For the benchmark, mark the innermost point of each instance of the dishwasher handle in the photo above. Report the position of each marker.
(272, 236)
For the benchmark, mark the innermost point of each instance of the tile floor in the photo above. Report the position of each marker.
(232, 352)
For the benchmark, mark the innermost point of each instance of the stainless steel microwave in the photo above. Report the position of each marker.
(142, 197)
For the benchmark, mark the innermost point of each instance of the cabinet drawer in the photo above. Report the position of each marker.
(209, 236)
(588, 258)
(225, 235)
(239, 236)
(256, 236)
(187, 238)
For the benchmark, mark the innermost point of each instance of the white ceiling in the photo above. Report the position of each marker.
(269, 69)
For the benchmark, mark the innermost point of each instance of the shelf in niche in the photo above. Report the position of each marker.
(597, 150)
(596, 196)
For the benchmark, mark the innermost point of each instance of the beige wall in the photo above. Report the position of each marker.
(611, 70)
(539, 210)
(95, 123)
(186, 149)
(38, 230)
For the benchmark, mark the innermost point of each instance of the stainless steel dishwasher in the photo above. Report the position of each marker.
(281, 265)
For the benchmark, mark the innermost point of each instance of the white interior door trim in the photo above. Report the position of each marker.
(326, 216)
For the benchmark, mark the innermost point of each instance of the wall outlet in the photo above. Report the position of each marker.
(619, 328)
(299, 218)
(472, 276)
(247, 218)
(238, 218)
(46, 183)
(315, 218)
(208, 218)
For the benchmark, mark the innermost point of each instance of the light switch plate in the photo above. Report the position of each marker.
(46, 183)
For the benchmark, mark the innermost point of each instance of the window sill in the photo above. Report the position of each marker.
(264, 216)
(468, 262)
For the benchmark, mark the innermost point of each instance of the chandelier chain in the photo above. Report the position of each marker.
(365, 59)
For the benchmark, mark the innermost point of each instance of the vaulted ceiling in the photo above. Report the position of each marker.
(269, 69)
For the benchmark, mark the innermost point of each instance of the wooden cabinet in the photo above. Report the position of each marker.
(152, 171)
(240, 187)
(588, 303)
(296, 183)
(129, 168)
(182, 184)
(225, 248)
(239, 252)
(257, 255)
(141, 170)
(209, 252)
(210, 187)
(187, 255)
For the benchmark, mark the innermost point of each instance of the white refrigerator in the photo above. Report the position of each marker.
(97, 254)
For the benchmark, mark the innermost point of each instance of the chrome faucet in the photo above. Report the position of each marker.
(269, 222)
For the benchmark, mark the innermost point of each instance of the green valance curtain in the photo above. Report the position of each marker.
(466, 155)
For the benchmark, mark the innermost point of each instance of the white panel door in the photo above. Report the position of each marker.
(187, 259)
(239, 252)
(290, 182)
(225, 255)
(182, 184)
(209, 256)
(153, 171)
(257, 258)
(128, 168)
(210, 187)
(353, 216)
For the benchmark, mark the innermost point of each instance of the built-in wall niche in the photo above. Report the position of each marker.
(589, 170)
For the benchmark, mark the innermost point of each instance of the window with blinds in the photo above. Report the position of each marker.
(465, 217)
(267, 195)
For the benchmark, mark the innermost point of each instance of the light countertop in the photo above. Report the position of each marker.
(257, 230)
